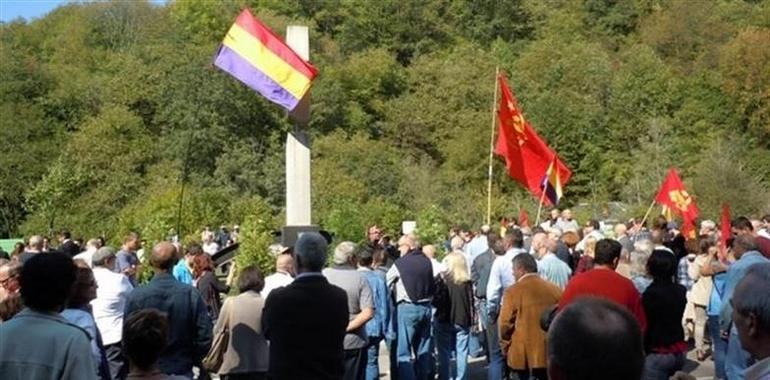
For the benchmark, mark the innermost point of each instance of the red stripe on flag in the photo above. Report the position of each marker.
(254, 27)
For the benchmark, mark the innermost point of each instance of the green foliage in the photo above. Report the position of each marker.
(256, 236)
(431, 226)
(109, 107)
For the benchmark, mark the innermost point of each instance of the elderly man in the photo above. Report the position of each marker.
(751, 315)
(595, 339)
(521, 338)
(306, 321)
(38, 343)
(550, 267)
(412, 276)
(566, 223)
(87, 256)
(111, 296)
(34, 247)
(745, 251)
(189, 336)
(10, 297)
(283, 276)
(360, 307)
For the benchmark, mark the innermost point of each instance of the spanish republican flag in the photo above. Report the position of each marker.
(528, 158)
(673, 195)
(258, 58)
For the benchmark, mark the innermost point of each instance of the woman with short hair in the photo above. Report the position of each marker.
(145, 335)
(246, 356)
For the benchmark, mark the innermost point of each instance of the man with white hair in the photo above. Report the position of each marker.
(306, 320)
(707, 228)
(360, 307)
(566, 223)
(621, 235)
(91, 246)
(34, 247)
(550, 267)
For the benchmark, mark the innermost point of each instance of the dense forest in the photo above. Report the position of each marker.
(107, 108)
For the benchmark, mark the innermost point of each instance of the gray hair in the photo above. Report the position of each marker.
(36, 241)
(525, 261)
(749, 298)
(343, 252)
(94, 243)
(310, 251)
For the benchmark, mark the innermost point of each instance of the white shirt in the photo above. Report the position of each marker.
(759, 371)
(500, 277)
(86, 256)
(437, 267)
(110, 302)
(597, 235)
(210, 248)
(274, 281)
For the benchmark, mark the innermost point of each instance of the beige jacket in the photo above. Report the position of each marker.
(701, 288)
(247, 350)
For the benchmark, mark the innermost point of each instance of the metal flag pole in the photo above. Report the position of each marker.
(492, 150)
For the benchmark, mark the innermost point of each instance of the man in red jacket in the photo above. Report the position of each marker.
(604, 282)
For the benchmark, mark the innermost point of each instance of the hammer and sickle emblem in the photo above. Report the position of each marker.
(681, 199)
(518, 125)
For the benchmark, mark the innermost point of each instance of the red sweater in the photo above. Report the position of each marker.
(606, 284)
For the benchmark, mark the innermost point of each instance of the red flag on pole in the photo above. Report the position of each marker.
(725, 229)
(673, 195)
(523, 218)
(527, 156)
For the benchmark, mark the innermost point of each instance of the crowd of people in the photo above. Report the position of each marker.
(556, 301)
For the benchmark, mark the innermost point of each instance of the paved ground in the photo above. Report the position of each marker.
(702, 371)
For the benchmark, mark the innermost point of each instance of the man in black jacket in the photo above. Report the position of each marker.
(68, 247)
(306, 320)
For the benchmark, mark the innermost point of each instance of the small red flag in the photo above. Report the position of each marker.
(527, 156)
(673, 195)
(725, 229)
(523, 218)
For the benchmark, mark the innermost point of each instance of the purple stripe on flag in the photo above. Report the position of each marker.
(231, 62)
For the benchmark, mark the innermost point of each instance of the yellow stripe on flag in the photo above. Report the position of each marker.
(263, 59)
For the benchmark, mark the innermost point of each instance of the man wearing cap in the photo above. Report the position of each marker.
(111, 294)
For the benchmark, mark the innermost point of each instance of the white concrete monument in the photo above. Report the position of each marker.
(298, 207)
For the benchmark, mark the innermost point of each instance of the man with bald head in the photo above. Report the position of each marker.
(306, 320)
(412, 277)
(284, 274)
(189, 335)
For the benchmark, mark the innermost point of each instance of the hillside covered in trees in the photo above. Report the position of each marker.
(106, 107)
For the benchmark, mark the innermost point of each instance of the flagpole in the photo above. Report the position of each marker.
(540, 207)
(492, 150)
(646, 215)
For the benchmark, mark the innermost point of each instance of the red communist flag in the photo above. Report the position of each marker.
(527, 156)
(523, 218)
(673, 195)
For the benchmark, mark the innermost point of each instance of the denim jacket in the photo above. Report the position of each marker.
(189, 336)
(377, 326)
